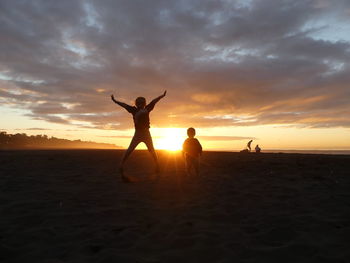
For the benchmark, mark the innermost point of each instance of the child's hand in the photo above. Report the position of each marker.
(112, 97)
(164, 94)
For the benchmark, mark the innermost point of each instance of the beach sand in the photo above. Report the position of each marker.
(71, 206)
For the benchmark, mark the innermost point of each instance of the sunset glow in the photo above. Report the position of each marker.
(171, 140)
(282, 83)
(191, 130)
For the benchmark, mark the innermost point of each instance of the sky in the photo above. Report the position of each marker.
(275, 71)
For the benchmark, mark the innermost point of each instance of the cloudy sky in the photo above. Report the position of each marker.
(277, 71)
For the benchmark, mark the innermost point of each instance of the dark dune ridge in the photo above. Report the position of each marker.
(70, 206)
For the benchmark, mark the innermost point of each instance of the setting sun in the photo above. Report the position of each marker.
(171, 139)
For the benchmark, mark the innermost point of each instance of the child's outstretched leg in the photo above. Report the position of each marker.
(134, 142)
(150, 147)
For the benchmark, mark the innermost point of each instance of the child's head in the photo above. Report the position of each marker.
(140, 102)
(191, 132)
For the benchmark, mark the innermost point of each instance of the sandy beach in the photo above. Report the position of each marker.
(71, 206)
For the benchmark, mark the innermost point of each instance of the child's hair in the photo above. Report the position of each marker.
(140, 101)
(191, 132)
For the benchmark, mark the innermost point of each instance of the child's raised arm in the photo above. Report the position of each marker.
(151, 105)
(122, 104)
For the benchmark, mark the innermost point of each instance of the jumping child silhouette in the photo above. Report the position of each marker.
(140, 115)
(191, 150)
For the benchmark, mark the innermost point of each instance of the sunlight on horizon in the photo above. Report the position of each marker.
(271, 137)
(171, 139)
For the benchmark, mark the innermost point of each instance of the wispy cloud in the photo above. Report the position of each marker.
(223, 63)
(34, 129)
(44, 129)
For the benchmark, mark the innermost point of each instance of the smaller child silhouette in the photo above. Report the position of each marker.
(257, 149)
(191, 150)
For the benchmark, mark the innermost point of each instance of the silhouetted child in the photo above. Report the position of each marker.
(140, 114)
(192, 150)
(248, 145)
(257, 149)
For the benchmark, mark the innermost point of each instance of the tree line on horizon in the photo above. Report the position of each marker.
(24, 141)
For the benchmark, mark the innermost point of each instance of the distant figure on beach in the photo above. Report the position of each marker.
(140, 114)
(257, 149)
(192, 150)
(248, 145)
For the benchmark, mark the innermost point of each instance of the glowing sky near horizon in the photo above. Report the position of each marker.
(274, 71)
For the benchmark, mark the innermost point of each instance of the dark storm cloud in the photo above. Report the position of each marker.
(224, 63)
